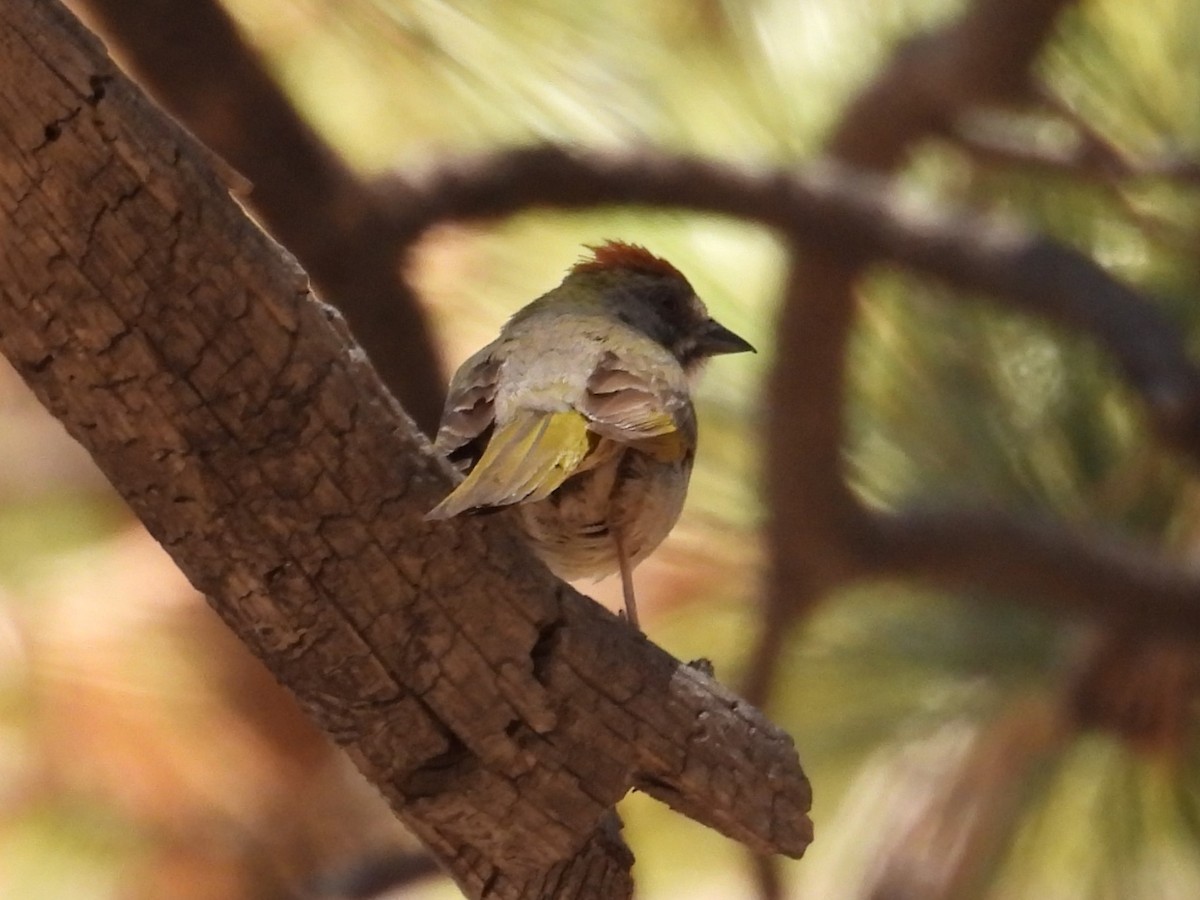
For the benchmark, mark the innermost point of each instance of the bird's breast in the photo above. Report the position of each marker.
(636, 494)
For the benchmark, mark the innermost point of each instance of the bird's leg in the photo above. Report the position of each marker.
(626, 579)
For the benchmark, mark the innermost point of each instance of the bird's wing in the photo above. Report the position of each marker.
(526, 458)
(469, 413)
(650, 411)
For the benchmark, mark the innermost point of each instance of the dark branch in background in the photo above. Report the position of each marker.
(1140, 689)
(1088, 155)
(189, 55)
(850, 215)
(982, 60)
(983, 57)
(847, 215)
(1039, 562)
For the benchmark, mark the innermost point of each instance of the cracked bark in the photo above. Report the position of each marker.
(499, 712)
(189, 54)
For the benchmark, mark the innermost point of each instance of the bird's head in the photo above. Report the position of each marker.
(648, 293)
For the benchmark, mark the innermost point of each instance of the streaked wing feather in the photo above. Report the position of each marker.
(630, 408)
(469, 411)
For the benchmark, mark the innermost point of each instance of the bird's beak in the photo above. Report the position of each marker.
(715, 339)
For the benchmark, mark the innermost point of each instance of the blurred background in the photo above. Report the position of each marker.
(143, 754)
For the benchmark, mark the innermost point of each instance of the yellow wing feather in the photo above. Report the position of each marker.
(527, 458)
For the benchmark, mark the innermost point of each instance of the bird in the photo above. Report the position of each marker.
(579, 415)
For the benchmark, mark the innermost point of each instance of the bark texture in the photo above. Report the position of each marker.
(500, 713)
(189, 54)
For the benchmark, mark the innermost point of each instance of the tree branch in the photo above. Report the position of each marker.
(500, 713)
(1039, 564)
(189, 54)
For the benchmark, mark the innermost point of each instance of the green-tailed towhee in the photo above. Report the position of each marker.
(579, 415)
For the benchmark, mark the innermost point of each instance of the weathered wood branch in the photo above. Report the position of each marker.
(500, 713)
(190, 56)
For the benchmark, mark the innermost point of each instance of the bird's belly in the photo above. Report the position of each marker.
(573, 530)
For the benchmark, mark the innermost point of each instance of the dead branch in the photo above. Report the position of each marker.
(190, 56)
(499, 712)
